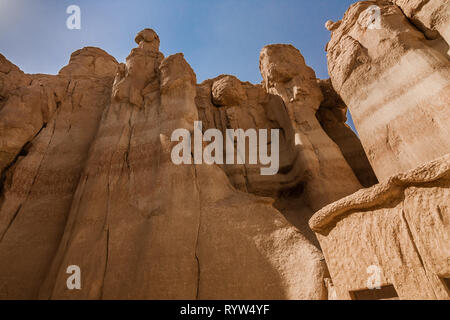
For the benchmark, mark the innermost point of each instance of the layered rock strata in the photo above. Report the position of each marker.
(395, 82)
(88, 181)
(47, 124)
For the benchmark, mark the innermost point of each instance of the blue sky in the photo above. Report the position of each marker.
(216, 36)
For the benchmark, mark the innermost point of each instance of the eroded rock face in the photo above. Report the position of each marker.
(24, 108)
(431, 16)
(88, 181)
(396, 84)
(87, 177)
(228, 91)
(395, 79)
(47, 126)
(161, 231)
(286, 74)
(90, 61)
(227, 103)
(398, 229)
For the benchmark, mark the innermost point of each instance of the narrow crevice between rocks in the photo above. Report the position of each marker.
(22, 153)
(10, 223)
(197, 259)
(106, 263)
(428, 33)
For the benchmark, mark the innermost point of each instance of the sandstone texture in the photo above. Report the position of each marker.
(285, 74)
(332, 116)
(47, 124)
(154, 230)
(432, 17)
(394, 77)
(400, 226)
(395, 82)
(87, 178)
(227, 103)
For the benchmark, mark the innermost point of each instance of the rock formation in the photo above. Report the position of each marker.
(391, 241)
(432, 17)
(160, 231)
(92, 184)
(285, 74)
(87, 177)
(227, 103)
(401, 227)
(47, 124)
(395, 83)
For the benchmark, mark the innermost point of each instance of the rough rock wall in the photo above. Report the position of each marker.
(432, 17)
(227, 103)
(87, 177)
(47, 124)
(400, 226)
(396, 84)
(12, 79)
(88, 181)
(156, 230)
(394, 77)
(286, 74)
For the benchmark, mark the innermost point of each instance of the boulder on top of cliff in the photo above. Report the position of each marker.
(228, 91)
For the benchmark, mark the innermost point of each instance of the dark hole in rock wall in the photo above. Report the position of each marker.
(384, 293)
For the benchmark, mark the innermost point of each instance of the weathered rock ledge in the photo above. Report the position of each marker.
(382, 193)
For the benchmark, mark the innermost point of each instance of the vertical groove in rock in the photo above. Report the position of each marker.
(197, 295)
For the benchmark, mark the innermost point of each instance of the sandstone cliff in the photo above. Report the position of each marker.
(388, 61)
(395, 82)
(87, 177)
(47, 124)
(88, 181)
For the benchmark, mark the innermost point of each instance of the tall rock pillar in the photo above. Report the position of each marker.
(329, 177)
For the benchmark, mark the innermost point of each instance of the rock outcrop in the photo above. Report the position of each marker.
(396, 84)
(156, 230)
(227, 103)
(391, 241)
(432, 17)
(286, 74)
(88, 177)
(399, 227)
(47, 124)
(88, 180)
